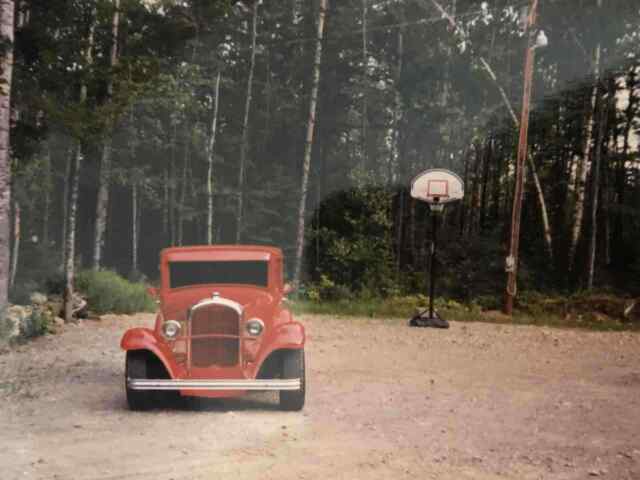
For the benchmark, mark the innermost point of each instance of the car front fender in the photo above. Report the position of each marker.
(286, 336)
(147, 339)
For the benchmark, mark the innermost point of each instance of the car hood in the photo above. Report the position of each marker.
(254, 300)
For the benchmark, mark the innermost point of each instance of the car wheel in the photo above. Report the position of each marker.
(136, 367)
(293, 367)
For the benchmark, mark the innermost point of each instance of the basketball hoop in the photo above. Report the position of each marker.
(436, 187)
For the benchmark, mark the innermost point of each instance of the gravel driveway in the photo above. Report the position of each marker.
(478, 401)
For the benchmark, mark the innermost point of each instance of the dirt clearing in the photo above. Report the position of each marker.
(384, 401)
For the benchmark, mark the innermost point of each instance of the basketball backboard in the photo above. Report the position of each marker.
(437, 186)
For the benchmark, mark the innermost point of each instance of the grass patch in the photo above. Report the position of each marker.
(558, 312)
(108, 292)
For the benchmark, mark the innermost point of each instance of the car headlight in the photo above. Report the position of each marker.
(171, 329)
(255, 327)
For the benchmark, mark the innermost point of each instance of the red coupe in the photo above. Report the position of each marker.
(222, 329)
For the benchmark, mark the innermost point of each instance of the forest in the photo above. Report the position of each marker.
(127, 126)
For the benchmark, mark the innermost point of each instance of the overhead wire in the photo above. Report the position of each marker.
(391, 26)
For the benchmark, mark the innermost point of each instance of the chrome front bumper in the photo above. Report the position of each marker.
(262, 385)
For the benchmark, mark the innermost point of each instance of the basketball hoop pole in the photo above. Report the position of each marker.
(437, 187)
(432, 264)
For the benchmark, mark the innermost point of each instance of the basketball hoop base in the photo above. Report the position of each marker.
(425, 321)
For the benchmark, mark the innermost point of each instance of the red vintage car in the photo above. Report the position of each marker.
(222, 329)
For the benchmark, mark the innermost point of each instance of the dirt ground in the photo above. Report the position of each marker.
(478, 401)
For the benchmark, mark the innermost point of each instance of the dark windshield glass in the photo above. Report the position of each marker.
(183, 274)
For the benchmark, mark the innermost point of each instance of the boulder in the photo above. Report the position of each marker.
(16, 318)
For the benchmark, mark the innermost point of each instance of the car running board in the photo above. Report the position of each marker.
(262, 385)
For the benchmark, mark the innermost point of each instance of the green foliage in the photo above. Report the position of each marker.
(36, 324)
(5, 327)
(108, 292)
(326, 289)
(602, 312)
(353, 231)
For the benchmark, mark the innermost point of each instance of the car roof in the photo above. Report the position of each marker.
(220, 252)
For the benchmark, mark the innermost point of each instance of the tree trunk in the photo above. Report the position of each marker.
(582, 167)
(400, 231)
(74, 186)
(183, 187)
(244, 145)
(394, 159)
(412, 230)
(102, 205)
(473, 221)
(135, 178)
(165, 202)
(6, 70)
(46, 208)
(70, 241)
(134, 227)
(16, 244)
(595, 185)
(210, 155)
(172, 189)
(397, 112)
(65, 207)
(365, 72)
(309, 143)
(546, 225)
(464, 208)
(487, 161)
(496, 187)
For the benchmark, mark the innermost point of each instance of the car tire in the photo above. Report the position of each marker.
(293, 367)
(136, 367)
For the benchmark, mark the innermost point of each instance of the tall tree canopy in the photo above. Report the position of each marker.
(136, 125)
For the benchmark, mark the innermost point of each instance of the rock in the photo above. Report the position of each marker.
(16, 318)
(38, 298)
(58, 322)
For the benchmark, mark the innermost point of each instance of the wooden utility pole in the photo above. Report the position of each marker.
(511, 263)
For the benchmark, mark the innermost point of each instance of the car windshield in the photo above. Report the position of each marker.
(184, 274)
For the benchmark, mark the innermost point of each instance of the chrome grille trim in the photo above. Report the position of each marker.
(216, 300)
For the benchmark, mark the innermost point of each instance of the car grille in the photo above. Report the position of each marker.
(215, 337)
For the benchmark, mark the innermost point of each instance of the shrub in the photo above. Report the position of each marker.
(5, 326)
(107, 292)
(35, 324)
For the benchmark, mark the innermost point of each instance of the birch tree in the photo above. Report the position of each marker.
(107, 148)
(244, 143)
(365, 78)
(7, 10)
(74, 186)
(595, 183)
(308, 147)
(582, 164)
(211, 148)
